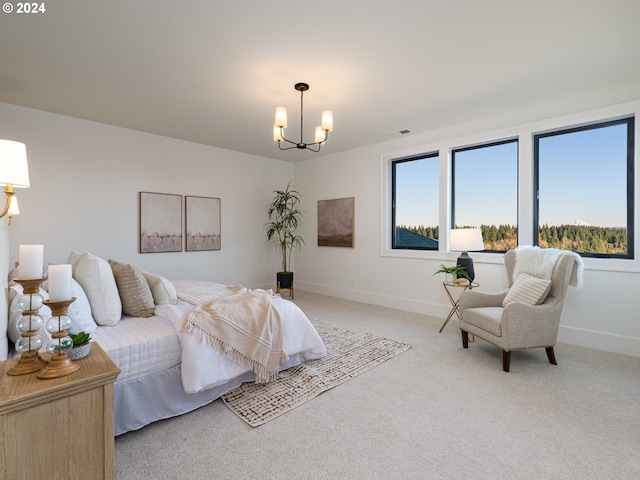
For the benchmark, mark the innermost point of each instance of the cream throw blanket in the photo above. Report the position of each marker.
(243, 326)
(540, 263)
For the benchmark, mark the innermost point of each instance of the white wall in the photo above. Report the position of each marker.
(85, 179)
(603, 314)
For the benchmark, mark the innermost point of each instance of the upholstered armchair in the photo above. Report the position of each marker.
(519, 322)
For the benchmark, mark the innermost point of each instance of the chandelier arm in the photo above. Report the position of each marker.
(308, 147)
(287, 148)
(286, 140)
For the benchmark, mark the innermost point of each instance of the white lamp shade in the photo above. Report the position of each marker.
(327, 121)
(277, 137)
(466, 239)
(281, 117)
(14, 169)
(319, 137)
(14, 208)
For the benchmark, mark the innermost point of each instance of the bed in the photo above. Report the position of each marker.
(139, 319)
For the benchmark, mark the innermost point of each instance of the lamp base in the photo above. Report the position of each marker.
(466, 261)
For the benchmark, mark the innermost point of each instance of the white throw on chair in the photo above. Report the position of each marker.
(527, 315)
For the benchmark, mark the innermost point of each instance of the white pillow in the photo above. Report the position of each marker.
(79, 311)
(15, 313)
(163, 290)
(527, 289)
(95, 276)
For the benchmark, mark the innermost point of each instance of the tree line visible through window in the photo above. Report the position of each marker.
(583, 187)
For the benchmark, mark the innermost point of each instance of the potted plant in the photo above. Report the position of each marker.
(454, 271)
(81, 345)
(284, 218)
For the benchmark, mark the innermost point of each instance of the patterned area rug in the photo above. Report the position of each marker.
(349, 353)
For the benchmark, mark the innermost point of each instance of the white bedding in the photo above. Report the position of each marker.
(144, 346)
(140, 346)
(203, 367)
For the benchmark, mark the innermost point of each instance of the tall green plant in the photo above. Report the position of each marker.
(285, 219)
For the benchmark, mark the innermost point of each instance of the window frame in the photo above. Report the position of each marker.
(477, 146)
(393, 163)
(630, 181)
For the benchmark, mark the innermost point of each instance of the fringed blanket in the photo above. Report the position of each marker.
(243, 326)
(540, 263)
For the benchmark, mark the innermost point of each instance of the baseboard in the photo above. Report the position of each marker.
(573, 336)
(389, 301)
(600, 341)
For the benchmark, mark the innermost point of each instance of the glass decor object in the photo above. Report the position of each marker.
(29, 326)
(60, 344)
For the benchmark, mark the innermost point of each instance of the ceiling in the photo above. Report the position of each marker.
(212, 72)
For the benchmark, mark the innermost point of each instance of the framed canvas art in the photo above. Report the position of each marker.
(202, 223)
(160, 222)
(336, 222)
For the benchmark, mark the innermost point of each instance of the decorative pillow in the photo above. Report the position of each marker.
(15, 313)
(135, 293)
(96, 278)
(79, 311)
(528, 289)
(163, 290)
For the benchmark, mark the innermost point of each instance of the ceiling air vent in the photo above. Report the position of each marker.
(400, 132)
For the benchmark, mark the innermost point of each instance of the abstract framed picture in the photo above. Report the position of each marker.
(160, 222)
(202, 223)
(336, 222)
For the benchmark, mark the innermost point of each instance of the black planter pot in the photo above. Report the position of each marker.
(285, 279)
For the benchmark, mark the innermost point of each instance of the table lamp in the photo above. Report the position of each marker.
(466, 240)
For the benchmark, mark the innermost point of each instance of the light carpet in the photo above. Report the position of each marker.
(349, 353)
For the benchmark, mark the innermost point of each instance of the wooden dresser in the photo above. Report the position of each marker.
(58, 428)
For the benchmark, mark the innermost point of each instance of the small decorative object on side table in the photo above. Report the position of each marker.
(60, 344)
(81, 345)
(29, 325)
(454, 302)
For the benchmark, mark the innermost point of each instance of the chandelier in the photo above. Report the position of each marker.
(322, 132)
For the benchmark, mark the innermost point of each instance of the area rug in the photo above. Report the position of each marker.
(349, 353)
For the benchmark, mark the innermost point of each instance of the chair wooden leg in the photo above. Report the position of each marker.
(465, 339)
(506, 360)
(551, 356)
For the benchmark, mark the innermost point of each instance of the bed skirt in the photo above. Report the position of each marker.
(159, 396)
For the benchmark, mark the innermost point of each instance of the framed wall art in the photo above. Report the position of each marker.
(202, 223)
(336, 222)
(160, 222)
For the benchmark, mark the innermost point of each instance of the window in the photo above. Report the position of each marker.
(414, 203)
(585, 191)
(484, 192)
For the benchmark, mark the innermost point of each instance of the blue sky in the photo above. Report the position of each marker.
(582, 176)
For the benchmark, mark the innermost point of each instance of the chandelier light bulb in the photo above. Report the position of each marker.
(277, 135)
(281, 117)
(327, 121)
